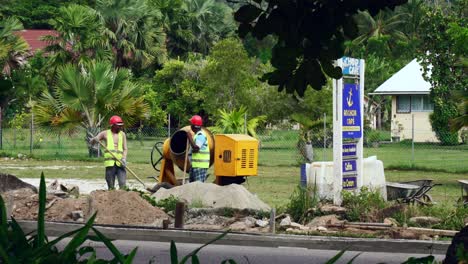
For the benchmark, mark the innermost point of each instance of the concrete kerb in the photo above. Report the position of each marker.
(260, 240)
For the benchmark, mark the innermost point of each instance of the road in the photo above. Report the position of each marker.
(158, 252)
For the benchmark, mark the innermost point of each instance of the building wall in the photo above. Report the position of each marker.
(401, 125)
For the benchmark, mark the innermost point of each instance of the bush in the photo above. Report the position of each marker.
(301, 199)
(360, 206)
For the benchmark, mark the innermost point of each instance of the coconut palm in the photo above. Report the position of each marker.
(13, 48)
(307, 126)
(81, 37)
(87, 96)
(137, 34)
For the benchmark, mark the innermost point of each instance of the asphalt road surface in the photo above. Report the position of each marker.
(158, 252)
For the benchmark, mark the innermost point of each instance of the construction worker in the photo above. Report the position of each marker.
(200, 150)
(116, 142)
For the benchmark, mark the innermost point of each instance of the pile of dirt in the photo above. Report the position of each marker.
(119, 207)
(214, 196)
(10, 182)
(24, 204)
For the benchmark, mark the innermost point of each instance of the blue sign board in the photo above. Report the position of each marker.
(349, 182)
(351, 111)
(351, 66)
(349, 150)
(349, 166)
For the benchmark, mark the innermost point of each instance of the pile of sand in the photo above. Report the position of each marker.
(214, 196)
(123, 208)
(10, 182)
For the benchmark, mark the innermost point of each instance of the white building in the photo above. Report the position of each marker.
(411, 105)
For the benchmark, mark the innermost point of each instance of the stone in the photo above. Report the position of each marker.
(391, 221)
(238, 226)
(262, 223)
(285, 222)
(425, 220)
(332, 209)
(75, 215)
(296, 226)
(425, 237)
(321, 228)
(10, 182)
(324, 221)
(71, 189)
(250, 221)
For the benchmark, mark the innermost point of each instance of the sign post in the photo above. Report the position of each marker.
(348, 121)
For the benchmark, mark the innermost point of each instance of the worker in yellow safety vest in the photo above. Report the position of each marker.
(117, 144)
(200, 150)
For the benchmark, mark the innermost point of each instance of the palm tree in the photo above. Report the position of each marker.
(137, 34)
(81, 37)
(382, 25)
(208, 21)
(87, 96)
(307, 125)
(13, 48)
(233, 122)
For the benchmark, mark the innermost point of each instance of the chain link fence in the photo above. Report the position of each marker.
(278, 147)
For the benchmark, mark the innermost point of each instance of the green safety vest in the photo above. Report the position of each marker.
(108, 159)
(201, 159)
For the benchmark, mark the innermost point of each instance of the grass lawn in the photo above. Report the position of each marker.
(274, 184)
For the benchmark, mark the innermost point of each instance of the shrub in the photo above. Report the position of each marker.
(301, 199)
(361, 205)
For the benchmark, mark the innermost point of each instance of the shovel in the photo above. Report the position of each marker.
(126, 167)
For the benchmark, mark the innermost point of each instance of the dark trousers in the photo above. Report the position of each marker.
(115, 171)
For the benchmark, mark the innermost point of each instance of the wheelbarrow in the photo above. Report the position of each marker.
(411, 192)
(464, 189)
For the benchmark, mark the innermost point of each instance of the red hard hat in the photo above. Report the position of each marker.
(196, 120)
(115, 120)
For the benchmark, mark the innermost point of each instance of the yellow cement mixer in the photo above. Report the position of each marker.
(235, 156)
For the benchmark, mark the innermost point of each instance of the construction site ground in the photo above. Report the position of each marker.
(250, 214)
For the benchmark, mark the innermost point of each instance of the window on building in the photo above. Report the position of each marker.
(413, 103)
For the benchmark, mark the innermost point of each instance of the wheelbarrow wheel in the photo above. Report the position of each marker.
(463, 201)
(426, 199)
(157, 158)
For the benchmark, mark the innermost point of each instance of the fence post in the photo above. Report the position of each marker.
(324, 135)
(31, 133)
(245, 123)
(1, 132)
(412, 140)
(169, 125)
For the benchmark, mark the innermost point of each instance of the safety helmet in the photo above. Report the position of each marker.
(196, 120)
(116, 120)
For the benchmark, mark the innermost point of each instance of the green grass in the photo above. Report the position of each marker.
(274, 184)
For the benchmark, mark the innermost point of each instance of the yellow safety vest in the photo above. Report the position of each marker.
(108, 159)
(201, 159)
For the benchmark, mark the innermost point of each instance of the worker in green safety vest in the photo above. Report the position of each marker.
(116, 142)
(200, 150)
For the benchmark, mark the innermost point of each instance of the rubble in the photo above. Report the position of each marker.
(425, 220)
(324, 221)
(332, 209)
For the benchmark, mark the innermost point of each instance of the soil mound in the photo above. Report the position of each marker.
(214, 196)
(119, 207)
(10, 182)
(24, 204)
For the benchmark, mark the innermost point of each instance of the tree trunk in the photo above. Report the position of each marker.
(93, 149)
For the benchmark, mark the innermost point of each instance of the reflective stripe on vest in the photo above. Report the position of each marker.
(201, 159)
(108, 159)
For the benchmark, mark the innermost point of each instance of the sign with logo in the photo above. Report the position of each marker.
(349, 166)
(349, 150)
(349, 182)
(351, 66)
(351, 111)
